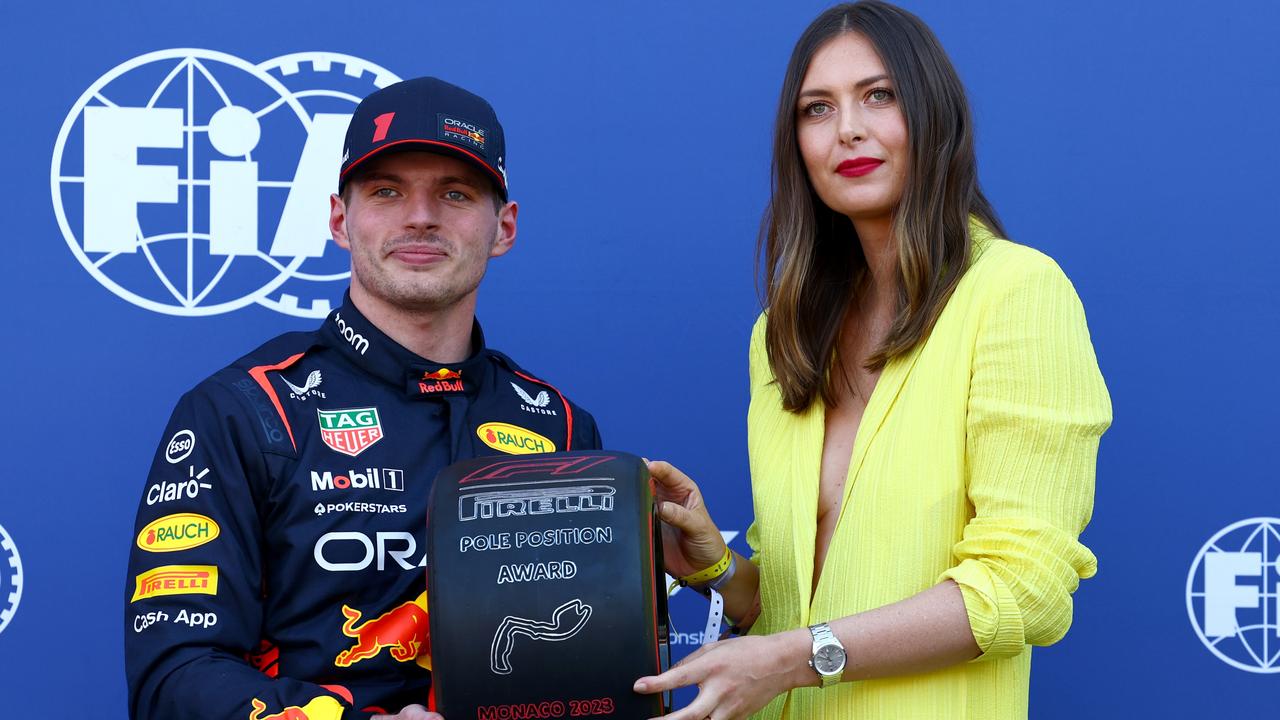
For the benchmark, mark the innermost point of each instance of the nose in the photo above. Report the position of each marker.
(852, 126)
(422, 211)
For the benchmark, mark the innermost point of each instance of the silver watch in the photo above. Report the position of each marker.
(828, 656)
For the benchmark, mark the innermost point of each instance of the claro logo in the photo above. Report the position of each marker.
(182, 531)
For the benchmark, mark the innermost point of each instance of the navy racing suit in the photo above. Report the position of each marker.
(278, 563)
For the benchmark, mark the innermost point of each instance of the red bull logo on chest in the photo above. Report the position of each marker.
(351, 431)
(404, 629)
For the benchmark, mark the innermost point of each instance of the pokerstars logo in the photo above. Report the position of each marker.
(1233, 595)
(193, 182)
(371, 478)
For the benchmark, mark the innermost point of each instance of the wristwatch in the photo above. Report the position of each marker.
(828, 656)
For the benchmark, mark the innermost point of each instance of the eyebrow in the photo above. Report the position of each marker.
(452, 179)
(375, 177)
(380, 177)
(858, 85)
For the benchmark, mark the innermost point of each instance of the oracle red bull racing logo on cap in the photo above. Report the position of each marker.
(461, 132)
(439, 381)
(351, 431)
(182, 531)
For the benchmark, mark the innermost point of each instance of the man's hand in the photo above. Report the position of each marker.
(411, 712)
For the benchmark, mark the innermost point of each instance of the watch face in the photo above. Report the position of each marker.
(829, 659)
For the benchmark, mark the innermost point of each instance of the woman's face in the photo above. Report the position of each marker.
(851, 131)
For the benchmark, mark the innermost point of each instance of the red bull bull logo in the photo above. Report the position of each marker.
(321, 708)
(442, 380)
(403, 628)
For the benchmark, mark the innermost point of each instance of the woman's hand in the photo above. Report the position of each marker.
(690, 540)
(738, 676)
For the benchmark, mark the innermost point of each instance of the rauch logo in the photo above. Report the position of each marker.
(513, 439)
(182, 531)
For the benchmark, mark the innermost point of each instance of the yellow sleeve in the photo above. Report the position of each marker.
(1037, 406)
(758, 361)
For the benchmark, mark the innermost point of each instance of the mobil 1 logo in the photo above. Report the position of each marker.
(369, 478)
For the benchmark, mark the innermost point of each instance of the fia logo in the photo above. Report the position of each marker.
(10, 578)
(192, 182)
(1233, 595)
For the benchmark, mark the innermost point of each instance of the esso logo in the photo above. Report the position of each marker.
(180, 446)
(193, 182)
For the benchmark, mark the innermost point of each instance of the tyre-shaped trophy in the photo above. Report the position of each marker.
(545, 587)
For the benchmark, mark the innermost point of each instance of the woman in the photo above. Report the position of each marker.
(924, 420)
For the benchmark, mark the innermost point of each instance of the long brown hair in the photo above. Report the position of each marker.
(812, 260)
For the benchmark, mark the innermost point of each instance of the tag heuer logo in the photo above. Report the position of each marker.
(350, 432)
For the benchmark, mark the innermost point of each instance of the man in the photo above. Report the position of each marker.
(278, 568)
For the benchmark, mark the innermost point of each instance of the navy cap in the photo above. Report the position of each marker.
(430, 115)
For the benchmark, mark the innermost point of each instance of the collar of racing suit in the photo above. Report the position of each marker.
(351, 333)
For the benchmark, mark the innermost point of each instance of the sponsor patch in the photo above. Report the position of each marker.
(513, 439)
(373, 478)
(460, 132)
(440, 381)
(180, 446)
(359, 507)
(181, 531)
(177, 580)
(309, 387)
(536, 405)
(351, 431)
(166, 491)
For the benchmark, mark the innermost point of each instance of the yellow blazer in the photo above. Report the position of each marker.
(974, 461)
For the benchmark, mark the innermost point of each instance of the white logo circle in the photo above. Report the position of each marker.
(180, 446)
(1233, 595)
(191, 182)
(10, 578)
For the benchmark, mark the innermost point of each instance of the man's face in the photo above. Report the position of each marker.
(421, 228)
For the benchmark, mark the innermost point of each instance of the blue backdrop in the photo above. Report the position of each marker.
(1135, 143)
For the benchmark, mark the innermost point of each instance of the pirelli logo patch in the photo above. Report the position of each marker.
(177, 580)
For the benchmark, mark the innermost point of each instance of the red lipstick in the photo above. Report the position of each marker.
(858, 167)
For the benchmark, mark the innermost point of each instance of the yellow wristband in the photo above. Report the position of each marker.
(711, 573)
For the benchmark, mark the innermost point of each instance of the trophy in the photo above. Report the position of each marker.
(545, 588)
